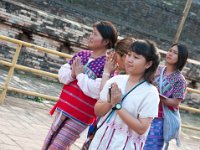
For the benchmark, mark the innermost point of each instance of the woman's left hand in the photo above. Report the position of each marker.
(110, 64)
(116, 94)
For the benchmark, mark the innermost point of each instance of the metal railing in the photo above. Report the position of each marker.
(13, 65)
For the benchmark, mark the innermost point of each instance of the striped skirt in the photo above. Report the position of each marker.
(155, 139)
(63, 133)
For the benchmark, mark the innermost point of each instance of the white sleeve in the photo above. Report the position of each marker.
(90, 87)
(149, 107)
(104, 91)
(64, 74)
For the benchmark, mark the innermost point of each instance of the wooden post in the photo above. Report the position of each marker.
(10, 73)
(185, 13)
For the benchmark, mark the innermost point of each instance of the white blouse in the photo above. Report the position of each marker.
(114, 134)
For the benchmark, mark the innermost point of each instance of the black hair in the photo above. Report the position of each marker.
(149, 51)
(182, 56)
(108, 32)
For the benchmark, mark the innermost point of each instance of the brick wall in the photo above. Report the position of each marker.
(153, 19)
(37, 27)
(49, 24)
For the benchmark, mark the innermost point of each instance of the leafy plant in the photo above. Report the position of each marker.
(38, 99)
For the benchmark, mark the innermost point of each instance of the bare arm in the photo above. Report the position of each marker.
(170, 102)
(101, 108)
(139, 125)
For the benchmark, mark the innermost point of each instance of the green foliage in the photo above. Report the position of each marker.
(38, 99)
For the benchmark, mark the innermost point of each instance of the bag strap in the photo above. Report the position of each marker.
(121, 100)
(132, 89)
(161, 79)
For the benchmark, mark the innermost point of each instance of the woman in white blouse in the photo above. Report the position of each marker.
(128, 125)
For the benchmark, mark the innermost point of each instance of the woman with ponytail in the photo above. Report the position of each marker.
(75, 110)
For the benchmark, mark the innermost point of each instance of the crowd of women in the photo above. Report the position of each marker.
(120, 91)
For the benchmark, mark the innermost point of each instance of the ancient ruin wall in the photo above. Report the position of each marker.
(46, 23)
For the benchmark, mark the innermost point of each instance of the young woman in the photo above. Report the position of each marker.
(75, 109)
(172, 90)
(115, 60)
(134, 101)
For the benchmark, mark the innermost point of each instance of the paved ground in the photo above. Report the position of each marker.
(24, 125)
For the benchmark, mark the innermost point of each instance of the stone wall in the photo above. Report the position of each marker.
(46, 23)
(153, 19)
(37, 27)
